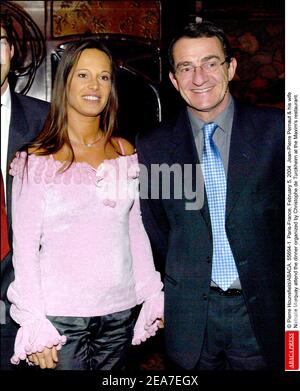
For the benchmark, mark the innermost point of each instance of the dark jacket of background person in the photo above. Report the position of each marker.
(27, 118)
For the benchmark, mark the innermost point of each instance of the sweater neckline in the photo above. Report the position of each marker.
(86, 164)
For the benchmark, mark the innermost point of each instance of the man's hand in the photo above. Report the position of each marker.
(45, 359)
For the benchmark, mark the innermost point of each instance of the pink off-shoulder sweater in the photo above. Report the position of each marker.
(79, 248)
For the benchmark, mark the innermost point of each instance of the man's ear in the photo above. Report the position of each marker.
(232, 68)
(173, 80)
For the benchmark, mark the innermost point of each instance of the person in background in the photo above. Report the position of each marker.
(4, 233)
(22, 118)
(222, 243)
(81, 255)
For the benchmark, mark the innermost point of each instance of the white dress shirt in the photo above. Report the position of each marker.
(5, 121)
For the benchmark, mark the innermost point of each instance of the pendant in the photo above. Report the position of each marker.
(88, 145)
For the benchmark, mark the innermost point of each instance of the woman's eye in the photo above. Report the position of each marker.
(81, 75)
(105, 77)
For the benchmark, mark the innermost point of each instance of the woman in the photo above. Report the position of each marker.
(81, 255)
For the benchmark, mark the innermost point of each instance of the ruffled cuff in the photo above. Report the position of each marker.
(151, 288)
(33, 337)
(150, 315)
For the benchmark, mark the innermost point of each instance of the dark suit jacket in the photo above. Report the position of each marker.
(182, 241)
(27, 118)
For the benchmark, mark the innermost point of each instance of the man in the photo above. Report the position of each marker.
(223, 254)
(22, 118)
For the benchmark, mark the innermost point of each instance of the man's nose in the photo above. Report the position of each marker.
(199, 75)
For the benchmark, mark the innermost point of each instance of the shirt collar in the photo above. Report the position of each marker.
(6, 98)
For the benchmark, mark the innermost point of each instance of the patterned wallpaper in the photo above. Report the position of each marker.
(135, 18)
(255, 29)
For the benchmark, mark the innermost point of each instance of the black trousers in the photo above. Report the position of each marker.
(8, 332)
(229, 343)
(95, 343)
(7, 350)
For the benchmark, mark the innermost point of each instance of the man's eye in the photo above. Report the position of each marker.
(210, 65)
(185, 69)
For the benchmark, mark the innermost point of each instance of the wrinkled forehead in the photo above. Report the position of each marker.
(187, 48)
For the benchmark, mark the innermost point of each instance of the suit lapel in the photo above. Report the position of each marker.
(18, 128)
(242, 155)
(184, 151)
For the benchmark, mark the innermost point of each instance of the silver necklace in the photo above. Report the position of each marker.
(88, 145)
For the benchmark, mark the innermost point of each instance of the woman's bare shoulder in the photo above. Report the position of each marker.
(36, 151)
(127, 147)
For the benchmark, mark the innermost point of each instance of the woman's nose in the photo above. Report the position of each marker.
(94, 84)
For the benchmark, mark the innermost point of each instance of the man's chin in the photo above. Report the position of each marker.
(207, 108)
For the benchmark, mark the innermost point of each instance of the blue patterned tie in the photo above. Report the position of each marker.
(224, 271)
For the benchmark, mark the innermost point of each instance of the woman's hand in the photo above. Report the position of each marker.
(45, 359)
(161, 323)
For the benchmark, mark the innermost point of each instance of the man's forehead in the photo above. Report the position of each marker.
(199, 41)
(188, 44)
(197, 49)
